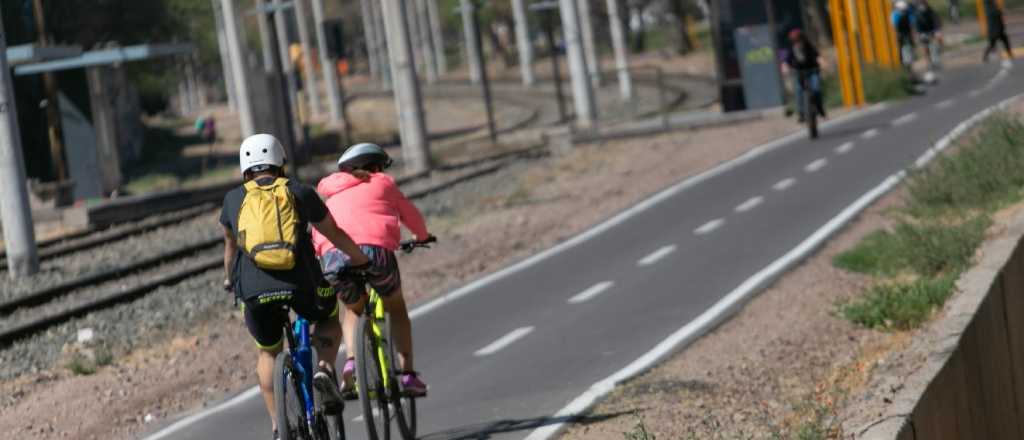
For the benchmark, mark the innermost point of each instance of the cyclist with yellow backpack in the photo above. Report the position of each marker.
(269, 261)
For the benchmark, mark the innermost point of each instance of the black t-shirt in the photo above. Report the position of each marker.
(803, 56)
(249, 280)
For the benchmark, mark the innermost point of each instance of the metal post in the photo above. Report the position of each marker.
(413, 24)
(282, 63)
(581, 92)
(238, 68)
(556, 72)
(382, 45)
(412, 129)
(308, 72)
(437, 37)
(371, 38)
(288, 70)
(56, 134)
(523, 43)
(472, 45)
(327, 64)
(15, 213)
(225, 56)
(619, 45)
(266, 45)
(589, 44)
(426, 40)
(485, 82)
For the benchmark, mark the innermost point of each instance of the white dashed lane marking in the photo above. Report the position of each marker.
(653, 257)
(503, 341)
(974, 93)
(816, 165)
(591, 292)
(709, 226)
(784, 184)
(751, 203)
(945, 104)
(905, 119)
(844, 148)
(870, 133)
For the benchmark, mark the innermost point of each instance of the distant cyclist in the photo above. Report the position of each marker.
(367, 203)
(928, 29)
(270, 274)
(903, 19)
(805, 61)
(997, 33)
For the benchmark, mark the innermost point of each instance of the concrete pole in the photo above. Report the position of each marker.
(523, 42)
(408, 101)
(238, 68)
(193, 84)
(437, 37)
(327, 65)
(619, 45)
(426, 40)
(412, 23)
(469, 31)
(371, 38)
(308, 72)
(582, 94)
(287, 68)
(266, 45)
(382, 45)
(589, 44)
(225, 56)
(15, 213)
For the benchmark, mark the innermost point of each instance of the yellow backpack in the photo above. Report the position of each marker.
(267, 224)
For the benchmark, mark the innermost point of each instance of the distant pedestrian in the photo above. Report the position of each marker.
(997, 33)
(904, 20)
(209, 130)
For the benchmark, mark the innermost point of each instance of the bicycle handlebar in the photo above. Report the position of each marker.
(408, 246)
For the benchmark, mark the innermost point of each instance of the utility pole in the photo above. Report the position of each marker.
(484, 80)
(15, 213)
(523, 42)
(582, 94)
(437, 37)
(426, 40)
(55, 129)
(308, 72)
(266, 45)
(238, 68)
(589, 45)
(413, 24)
(288, 69)
(472, 47)
(327, 64)
(371, 38)
(382, 44)
(619, 45)
(225, 56)
(412, 129)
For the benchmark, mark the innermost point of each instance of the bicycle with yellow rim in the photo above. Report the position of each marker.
(377, 372)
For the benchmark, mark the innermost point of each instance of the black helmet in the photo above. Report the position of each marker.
(363, 155)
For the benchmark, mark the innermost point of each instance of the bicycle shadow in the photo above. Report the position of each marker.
(486, 430)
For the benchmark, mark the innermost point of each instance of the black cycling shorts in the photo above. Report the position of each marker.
(267, 314)
(383, 274)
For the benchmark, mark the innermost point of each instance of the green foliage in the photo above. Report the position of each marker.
(983, 175)
(880, 84)
(639, 431)
(900, 305)
(927, 249)
(876, 254)
(81, 365)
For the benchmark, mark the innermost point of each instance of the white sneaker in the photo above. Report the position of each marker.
(1007, 64)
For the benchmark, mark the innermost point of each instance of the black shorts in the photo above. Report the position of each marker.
(383, 274)
(267, 314)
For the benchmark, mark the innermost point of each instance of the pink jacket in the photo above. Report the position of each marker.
(369, 211)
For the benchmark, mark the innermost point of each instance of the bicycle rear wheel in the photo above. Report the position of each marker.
(404, 406)
(811, 114)
(291, 416)
(372, 394)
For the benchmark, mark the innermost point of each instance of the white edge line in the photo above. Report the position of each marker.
(731, 302)
(503, 341)
(619, 218)
(653, 257)
(591, 292)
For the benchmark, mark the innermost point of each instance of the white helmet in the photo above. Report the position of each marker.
(902, 5)
(260, 149)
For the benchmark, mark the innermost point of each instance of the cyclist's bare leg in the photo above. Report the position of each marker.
(351, 320)
(327, 337)
(265, 372)
(401, 328)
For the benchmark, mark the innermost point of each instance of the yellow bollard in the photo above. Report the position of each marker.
(864, 31)
(854, 52)
(839, 35)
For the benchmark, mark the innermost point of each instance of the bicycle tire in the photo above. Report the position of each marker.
(291, 417)
(404, 406)
(811, 114)
(372, 395)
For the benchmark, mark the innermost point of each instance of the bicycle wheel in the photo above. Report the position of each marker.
(291, 416)
(330, 423)
(404, 406)
(372, 394)
(811, 114)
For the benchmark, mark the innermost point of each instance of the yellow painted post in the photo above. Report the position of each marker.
(864, 31)
(839, 36)
(890, 35)
(982, 21)
(878, 33)
(856, 79)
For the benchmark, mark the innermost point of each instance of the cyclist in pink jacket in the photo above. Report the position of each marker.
(367, 204)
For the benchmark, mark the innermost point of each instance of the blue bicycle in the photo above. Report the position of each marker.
(301, 409)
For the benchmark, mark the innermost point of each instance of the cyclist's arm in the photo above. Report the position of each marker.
(341, 240)
(230, 252)
(409, 215)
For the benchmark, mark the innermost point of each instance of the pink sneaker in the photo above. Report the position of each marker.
(348, 378)
(412, 386)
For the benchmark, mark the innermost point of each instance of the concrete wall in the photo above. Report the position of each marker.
(971, 381)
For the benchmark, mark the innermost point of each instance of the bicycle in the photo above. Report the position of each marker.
(811, 101)
(377, 371)
(301, 410)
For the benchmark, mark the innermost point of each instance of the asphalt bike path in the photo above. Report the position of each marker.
(506, 356)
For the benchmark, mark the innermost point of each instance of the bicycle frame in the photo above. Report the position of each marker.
(377, 315)
(299, 348)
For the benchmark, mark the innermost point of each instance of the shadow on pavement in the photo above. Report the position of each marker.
(483, 431)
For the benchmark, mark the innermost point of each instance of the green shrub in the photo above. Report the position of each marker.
(900, 305)
(927, 249)
(639, 431)
(878, 254)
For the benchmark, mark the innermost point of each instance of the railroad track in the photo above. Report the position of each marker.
(38, 310)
